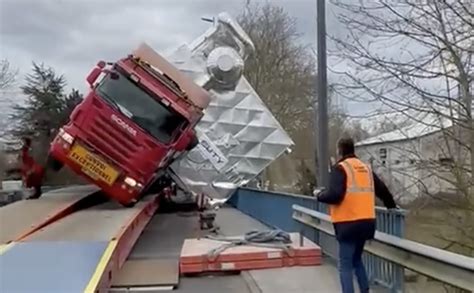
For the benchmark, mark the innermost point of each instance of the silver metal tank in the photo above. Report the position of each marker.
(239, 137)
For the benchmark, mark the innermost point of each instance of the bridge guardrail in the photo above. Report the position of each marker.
(447, 267)
(275, 209)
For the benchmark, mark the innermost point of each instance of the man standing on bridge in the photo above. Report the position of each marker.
(351, 196)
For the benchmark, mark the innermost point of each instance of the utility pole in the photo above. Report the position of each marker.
(323, 139)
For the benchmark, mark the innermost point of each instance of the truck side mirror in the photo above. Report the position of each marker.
(194, 141)
(187, 142)
(94, 74)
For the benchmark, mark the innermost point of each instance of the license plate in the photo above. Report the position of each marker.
(92, 165)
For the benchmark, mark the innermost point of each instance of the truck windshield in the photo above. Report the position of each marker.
(142, 108)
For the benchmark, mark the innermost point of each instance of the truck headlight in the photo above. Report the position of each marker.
(130, 182)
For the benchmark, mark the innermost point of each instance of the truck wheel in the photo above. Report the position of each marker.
(154, 188)
(158, 185)
(129, 204)
(54, 164)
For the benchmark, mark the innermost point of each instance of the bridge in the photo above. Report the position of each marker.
(72, 240)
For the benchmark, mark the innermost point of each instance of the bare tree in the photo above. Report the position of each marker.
(415, 57)
(7, 74)
(282, 71)
(2, 164)
(7, 79)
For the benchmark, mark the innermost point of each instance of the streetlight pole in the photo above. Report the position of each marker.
(323, 139)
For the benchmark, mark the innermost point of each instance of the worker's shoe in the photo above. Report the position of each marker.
(34, 196)
(37, 194)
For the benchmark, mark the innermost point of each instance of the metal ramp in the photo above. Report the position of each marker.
(72, 249)
(19, 219)
(85, 250)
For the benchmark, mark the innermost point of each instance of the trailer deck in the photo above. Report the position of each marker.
(163, 237)
(84, 251)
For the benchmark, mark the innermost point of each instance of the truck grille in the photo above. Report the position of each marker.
(112, 140)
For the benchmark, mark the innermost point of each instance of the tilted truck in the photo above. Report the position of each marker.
(192, 117)
(139, 115)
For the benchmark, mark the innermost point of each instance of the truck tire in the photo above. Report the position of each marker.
(155, 187)
(130, 204)
(54, 164)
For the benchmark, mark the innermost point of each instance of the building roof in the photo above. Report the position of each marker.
(418, 127)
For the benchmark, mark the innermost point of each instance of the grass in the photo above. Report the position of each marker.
(442, 227)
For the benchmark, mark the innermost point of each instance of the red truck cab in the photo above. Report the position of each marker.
(139, 115)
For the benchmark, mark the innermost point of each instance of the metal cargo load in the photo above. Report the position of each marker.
(239, 137)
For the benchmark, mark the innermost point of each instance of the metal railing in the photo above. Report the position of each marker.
(447, 267)
(276, 210)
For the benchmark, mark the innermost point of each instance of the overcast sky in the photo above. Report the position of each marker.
(72, 35)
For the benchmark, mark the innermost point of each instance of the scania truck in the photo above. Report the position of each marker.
(137, 118)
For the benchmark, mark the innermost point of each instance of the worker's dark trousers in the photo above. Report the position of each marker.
(350, 262)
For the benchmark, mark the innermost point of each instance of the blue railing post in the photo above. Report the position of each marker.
(316, 237)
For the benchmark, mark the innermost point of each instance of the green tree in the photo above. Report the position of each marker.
(70, 102)
(45, 109)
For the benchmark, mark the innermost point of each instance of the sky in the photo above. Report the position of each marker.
(71, 36)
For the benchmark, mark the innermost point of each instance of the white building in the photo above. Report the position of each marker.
(415, 160)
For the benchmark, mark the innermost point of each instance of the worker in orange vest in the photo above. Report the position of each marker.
(32, 172)
(351, 198)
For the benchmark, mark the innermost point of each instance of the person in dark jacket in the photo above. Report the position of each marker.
(351, 196)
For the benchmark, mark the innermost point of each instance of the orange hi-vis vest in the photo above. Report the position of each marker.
(359, 200)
